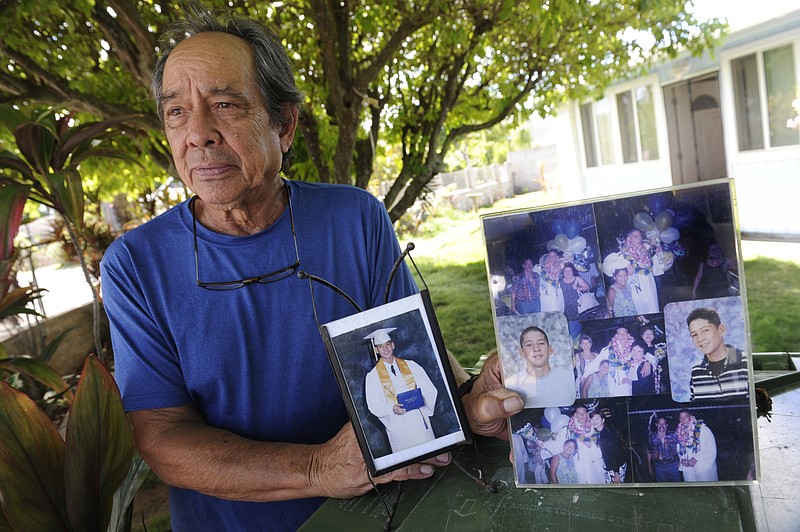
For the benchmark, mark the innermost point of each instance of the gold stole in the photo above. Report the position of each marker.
(386, 381)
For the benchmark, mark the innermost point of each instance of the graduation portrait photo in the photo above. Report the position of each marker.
(393, 371)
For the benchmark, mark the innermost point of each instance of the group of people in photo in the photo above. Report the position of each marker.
(688, 453)
(605, 443)
(664, 331)
(627, 365)
(584, 449)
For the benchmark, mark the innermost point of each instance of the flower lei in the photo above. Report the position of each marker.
(552, 269)
(619, 353)
(639, 255)
(660, 353)
(581, 431)
(578, 428)
(689, 434)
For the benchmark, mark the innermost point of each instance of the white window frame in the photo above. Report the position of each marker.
(727, 90)
(616, 142)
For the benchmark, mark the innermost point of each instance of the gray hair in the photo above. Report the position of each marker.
(273, 70)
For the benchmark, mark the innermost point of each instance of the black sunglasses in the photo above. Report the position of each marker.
(267, 278)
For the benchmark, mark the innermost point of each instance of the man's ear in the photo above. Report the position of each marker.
(287, 130)
(721, 329)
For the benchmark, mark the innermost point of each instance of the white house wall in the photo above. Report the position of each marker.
(619, 178)
(767, 181)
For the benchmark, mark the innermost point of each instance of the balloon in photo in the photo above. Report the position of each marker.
(643, 221)
(551, 412)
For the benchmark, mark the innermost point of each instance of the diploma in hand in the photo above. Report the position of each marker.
(411, 400)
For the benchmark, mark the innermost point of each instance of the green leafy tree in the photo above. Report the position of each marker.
(419, 75)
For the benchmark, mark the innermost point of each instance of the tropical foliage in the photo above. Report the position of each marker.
(410, 78)
(48, 483)
(52, 147)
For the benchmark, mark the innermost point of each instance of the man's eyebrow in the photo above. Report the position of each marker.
(166, 97)
(226, 90)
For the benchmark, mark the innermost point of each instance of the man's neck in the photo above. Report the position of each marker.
(538, 372)
(262, 209)
(719, 354)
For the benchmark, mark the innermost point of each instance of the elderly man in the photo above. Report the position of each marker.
(224, 376)
(400, 394)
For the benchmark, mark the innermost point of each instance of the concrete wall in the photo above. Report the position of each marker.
(75, 346)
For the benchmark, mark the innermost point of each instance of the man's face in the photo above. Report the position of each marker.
(386, 350)
(685, 418)
(222, 140)
(581, 414)
(635, 237)
(623, 334)
(528, 265)
(706, 336)
(536, 350)
(661, 425)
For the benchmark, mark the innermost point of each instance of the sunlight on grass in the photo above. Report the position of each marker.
(773, 299)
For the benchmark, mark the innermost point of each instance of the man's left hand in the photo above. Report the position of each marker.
(488, 404)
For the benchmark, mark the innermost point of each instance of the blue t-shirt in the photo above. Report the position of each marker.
(250, 360)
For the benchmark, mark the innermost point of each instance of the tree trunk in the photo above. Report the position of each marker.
(346, 145)
(410, 195)
(308, 125)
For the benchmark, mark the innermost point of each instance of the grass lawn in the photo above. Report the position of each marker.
(450, 254)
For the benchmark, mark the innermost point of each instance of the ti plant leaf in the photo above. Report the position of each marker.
(31, 465)
(99, 448)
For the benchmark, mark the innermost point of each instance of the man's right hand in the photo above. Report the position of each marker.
(488, 404)
(337, 467)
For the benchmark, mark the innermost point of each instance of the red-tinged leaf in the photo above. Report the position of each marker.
(67, 190)
(99, 448)
(40, 371)
(10, 161)
(36, 143)
(76, 139)
(16, 301)
(12, 203)
(31, 465)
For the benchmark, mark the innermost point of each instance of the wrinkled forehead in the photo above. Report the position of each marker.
(213, 58)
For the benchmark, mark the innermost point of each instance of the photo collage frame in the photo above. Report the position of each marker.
(622, 322)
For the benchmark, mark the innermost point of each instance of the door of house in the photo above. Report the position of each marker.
(694, 127)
